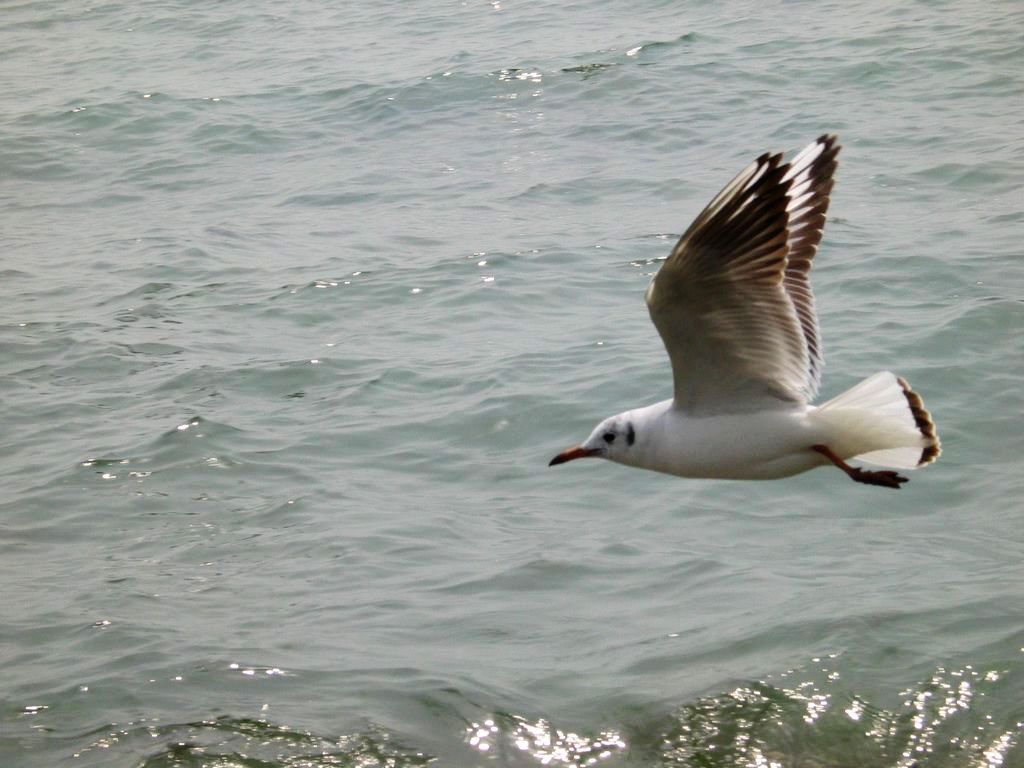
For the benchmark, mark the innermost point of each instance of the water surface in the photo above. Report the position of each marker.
(298, 301)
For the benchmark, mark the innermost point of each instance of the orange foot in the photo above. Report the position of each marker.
(883, 477)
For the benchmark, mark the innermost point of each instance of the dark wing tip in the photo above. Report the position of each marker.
(830, 140)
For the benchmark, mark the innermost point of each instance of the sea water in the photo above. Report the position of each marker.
(298, 300)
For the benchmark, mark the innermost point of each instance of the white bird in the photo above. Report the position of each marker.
(734, 308)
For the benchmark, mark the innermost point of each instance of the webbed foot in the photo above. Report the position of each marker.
(883, 477)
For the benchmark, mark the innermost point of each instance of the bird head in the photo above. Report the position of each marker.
(611, 439)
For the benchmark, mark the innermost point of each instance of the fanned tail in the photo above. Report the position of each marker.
(883, 421)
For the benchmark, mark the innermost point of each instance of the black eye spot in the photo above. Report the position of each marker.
(630, 434)
(608, 437)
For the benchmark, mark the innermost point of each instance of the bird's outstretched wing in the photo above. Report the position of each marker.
(733, 302)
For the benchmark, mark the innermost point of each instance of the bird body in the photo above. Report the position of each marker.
(759, 446)
(867, 420)
(734, 308)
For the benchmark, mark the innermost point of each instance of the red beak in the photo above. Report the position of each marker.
(577, 452)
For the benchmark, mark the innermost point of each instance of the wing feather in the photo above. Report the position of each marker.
(733, 302)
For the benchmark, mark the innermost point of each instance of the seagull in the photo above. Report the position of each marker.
(734, 308)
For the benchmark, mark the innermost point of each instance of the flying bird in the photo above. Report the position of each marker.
(734, 308)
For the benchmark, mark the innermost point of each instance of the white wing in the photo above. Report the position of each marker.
(733, 302)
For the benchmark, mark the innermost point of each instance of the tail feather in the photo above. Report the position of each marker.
(923, 421)
(883, 421)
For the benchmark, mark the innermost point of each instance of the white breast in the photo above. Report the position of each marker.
(749, 446)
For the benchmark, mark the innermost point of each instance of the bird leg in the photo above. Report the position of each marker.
(884, 477)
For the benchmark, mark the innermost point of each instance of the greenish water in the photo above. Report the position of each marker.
(298, 300)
